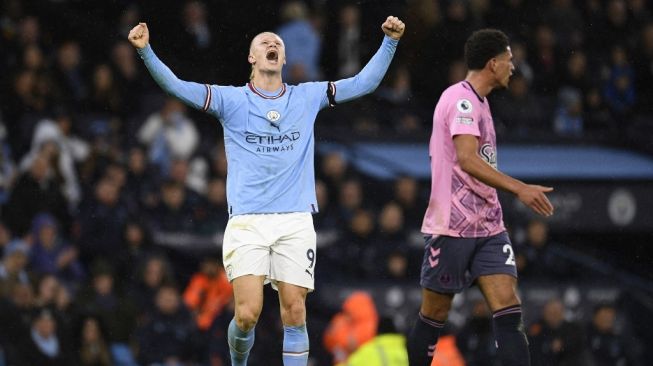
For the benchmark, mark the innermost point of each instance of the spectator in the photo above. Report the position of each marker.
(457, 71)
(520, 60)
(23, 304)
(618, 27)
(174, 213)
(129, 16)
(458, 25)
(619, 88)
(349, 251)
(49, 295)
(639, 14)
(169, 134)
(556, 341)
(607, 345)
(47, 289)
(128, 81)
(92, 348)
(396, 266)
(538, 257)
(101, 220)
(387, 348)
(447, 353)
(11, 325)
(577, 75)
(518, 112)
(45, 346)
(36, 190)
(475, 340)
(138, 249)
(51, 254)
(302, 43)
(390, 237)
(5, 237)
(350, 199)
(104, 99)
(115, 173)
(141, 181)
(103, 300)
(68, 73)
(66, 310)
(566, 23)
(326, 218)
(334, 171)
(597, 114)
(13, 266)
(545, 60)
(168, 336)
(568, 121)
(406, 194)
(350, 45)
(154, 273)
(7, 165)
(208, 292)
(24, 106)
(196, 40)
(353, 326)
(71, 150)
(193, 184)
(397, 91)
(426, 20)
(196, 25)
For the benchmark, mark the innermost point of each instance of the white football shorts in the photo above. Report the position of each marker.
(280, 247)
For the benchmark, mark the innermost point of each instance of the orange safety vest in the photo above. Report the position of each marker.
(207, 297)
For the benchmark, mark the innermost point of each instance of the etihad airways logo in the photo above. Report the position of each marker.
(273, 143)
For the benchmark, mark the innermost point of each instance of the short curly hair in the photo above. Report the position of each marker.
(483, 45)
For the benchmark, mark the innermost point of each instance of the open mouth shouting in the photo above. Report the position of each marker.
(272, 56)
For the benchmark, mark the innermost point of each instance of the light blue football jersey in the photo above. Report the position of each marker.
(268, 137)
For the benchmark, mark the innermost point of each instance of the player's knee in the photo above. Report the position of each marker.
(246, 318)
(436, 310)
(436, 313)
(294, 312)
(503, 300)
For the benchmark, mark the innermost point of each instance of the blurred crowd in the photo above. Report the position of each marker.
(99, 169)
(359, 336)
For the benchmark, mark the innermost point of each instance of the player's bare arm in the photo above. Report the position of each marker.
(532, 196)
(139, 36)
(393, 27)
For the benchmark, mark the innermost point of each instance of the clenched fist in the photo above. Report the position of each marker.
(393, 27)
(139, 36)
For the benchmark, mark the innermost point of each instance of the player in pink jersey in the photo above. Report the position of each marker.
(466, 241)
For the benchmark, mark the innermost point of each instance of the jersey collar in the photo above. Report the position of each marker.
(262, 94)
(471, 87)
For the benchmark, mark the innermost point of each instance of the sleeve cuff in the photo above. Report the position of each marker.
(145, 52)
(386, 39)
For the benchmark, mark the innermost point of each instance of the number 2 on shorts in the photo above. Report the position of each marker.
(511, 256)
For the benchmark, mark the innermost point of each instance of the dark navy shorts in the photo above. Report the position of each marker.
(452, 264)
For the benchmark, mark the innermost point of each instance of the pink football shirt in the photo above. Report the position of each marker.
(460, 205)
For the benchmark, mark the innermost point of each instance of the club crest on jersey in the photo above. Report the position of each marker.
(488, 154)
(464, 106)
(273, 116)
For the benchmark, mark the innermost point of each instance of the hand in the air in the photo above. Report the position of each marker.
(139, 36)
(393, 27)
